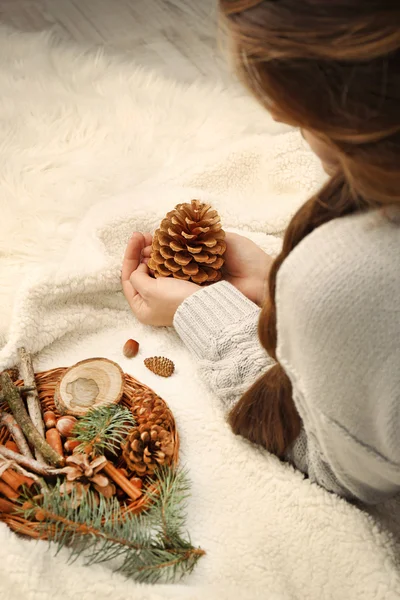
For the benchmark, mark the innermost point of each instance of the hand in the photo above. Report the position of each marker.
(247, 267)
(153, 301)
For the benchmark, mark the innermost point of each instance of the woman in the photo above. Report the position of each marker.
(328, 398)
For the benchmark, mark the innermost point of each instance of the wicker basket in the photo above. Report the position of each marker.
(46, 384)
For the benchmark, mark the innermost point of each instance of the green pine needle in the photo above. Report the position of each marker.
(103, 429)
(150, 547)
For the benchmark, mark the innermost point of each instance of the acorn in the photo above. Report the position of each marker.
(53, 438)
(70, 446)
(65, 425)
(50, 419)
(137, 482)
(131, 348)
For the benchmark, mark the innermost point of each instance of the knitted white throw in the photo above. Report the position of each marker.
(267, 532)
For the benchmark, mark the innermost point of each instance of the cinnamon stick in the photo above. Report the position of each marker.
(16, 432)
(30, 463)
(16, 480)
(7, 491)
(32, 398)
(7, 507)
(122, 481)
(21, 416)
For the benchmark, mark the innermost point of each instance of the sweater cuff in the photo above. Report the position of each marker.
(201, 317)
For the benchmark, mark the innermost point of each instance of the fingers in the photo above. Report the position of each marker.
(132, 256)
(148, 239)
(141, 281)
(146, 252)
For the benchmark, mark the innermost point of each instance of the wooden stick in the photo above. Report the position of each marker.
(16, 432)
(32, 398)
(122, 481)
(17, 406)
(30, 463)
(22, 389)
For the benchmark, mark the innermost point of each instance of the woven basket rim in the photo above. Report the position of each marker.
(46, 382)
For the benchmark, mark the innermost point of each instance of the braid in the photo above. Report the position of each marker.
(266, 414)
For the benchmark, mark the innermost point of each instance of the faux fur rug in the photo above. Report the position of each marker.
(78, 127)
(83, 130)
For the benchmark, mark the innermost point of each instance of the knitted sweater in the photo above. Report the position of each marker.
(338, 324)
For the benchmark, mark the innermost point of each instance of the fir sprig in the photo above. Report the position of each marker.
(103, 429)
(150, 547)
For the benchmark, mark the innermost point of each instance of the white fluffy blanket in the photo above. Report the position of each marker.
(96, 131)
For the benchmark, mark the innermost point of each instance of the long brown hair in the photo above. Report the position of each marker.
(331, 67)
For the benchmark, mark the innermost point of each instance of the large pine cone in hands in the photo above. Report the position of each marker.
(189, 244)
(148, 447)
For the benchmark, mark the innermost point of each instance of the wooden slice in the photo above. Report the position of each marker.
(88, 384)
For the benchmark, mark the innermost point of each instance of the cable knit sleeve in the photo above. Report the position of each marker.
(219, 326)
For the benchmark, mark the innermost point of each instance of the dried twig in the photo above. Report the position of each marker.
(21, 416)
(30, 463)
(32, 398)
(16, 432)
(26, 388)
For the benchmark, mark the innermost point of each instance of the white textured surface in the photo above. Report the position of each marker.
(79, 127)
(92, 129)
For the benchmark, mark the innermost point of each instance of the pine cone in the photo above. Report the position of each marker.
(150, 409)
(81, 470)
(148, 447)
(160, 365)
(189, 244)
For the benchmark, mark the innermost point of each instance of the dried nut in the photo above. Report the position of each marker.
(131, 348)
(50, 419)
(136, 482)
(53, 438)
(70, 445)
(123, 472)
(65, 425)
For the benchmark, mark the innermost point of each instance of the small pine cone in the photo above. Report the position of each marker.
(160, 365)
(147, 448)
(150, 409)
(189, 244)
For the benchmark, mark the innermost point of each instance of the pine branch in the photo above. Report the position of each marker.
(103, 429)
(150, 547)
